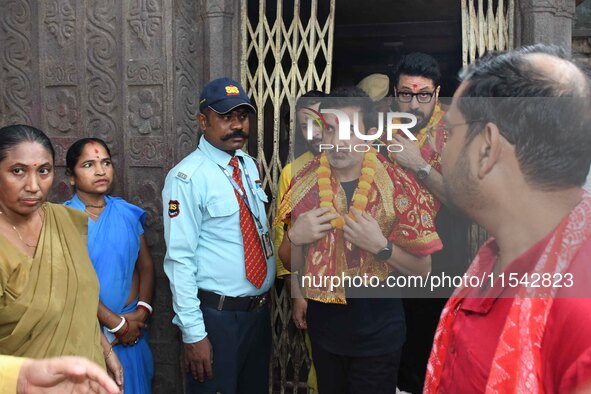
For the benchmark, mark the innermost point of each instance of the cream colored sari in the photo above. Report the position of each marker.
(49, 303)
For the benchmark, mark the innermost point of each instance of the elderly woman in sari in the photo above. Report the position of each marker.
(120, 256)
(49, 293)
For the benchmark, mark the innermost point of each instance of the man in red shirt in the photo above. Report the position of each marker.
(517, 154)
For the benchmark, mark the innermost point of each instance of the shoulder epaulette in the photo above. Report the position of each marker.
(187, 168)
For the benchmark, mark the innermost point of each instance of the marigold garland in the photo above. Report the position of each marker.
(360, 197)
(430, 128)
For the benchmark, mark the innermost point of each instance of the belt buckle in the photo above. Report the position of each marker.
(221, 303)
(256, 302)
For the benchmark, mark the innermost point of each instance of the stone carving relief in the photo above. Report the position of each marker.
(62, 110)
(148, 152)
(101, 69)
(142, 72)
(146, 194)
(559, 8)
(219, 7)
(145, 19)
(145, 110)
(186, 76)
(61, 74)
(60, 19)
(15, 26)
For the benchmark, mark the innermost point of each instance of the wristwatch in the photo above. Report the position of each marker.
(384, 253)
(423, 173)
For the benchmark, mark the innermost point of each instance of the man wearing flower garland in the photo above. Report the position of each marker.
(354, 214)
(416, 90)
(518, 152)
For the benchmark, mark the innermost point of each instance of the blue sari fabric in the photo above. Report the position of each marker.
(113, 245)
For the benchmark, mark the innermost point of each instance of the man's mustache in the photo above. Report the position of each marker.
(416, 113)
(235, 134)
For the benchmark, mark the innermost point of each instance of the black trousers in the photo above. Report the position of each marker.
(355, 375)
(241, 343)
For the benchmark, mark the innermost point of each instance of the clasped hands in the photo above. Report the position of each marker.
(136, 322)
(362, 230)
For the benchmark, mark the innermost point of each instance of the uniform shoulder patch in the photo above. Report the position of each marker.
(174, 208)
(181, 175)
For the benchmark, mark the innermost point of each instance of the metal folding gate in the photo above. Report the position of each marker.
(482, 31)
(282, 58)
(279, 62)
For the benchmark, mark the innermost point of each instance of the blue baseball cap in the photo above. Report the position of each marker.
(222, 95)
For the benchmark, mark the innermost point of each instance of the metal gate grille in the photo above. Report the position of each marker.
(482, 31)
(282, 58)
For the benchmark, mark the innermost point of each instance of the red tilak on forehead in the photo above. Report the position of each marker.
(319, 115)
(414, 87)
(34, 164)
(96, 151)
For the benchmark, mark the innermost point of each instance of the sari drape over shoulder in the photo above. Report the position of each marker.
(114, 245)
(49, 303)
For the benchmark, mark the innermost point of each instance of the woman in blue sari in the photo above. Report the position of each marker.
(120, 257)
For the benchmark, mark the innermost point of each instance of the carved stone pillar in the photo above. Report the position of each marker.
(547, 21)
(221, 39)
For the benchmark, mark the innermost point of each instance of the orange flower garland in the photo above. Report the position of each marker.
(428, 129)
(360, 200)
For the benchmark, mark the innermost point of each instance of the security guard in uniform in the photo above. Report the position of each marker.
(219, 257)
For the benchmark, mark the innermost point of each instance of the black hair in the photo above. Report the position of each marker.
(341, 97)
(311, 97)
(307, 99)
(544, 116)
(11, 136)
(417, 64)
(75, 151)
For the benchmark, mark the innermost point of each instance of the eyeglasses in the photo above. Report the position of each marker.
(449, 127)
(422, 97)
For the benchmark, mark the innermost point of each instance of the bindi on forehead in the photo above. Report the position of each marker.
(93, 144)
(414, 87)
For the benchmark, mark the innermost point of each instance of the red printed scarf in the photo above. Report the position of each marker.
(517, 364)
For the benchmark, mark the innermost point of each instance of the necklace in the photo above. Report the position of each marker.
(18, 233)
(95, 206)
(429, 130)
(90, 213)
(360, 200)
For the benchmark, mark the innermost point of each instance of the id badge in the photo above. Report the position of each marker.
(267, 245)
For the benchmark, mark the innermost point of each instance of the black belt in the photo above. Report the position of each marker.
(227, 303)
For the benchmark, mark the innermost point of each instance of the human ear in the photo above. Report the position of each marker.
(489, 150)
(202, 120)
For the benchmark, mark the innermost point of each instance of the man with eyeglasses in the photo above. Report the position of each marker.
(518, 152)
(416, 89)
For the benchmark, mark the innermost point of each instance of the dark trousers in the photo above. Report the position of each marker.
(241, 343)
(422, 317)
(355, 375)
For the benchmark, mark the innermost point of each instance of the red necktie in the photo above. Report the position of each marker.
(254, 258)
